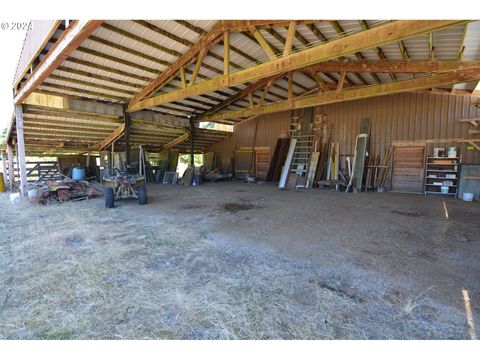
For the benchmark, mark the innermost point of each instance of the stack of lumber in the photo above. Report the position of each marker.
(382, 176)
(278, 160)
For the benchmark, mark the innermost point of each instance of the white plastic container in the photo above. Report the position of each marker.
(467, 196)
(452, 152)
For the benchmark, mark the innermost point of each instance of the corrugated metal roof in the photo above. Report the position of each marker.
(114, 66)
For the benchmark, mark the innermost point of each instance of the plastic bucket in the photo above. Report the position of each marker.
(2, 183)
(78, 173)
(197, 180)
(32, 193)
(468, 196)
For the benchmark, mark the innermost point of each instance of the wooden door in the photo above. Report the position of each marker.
(262, 163)
(408, 168)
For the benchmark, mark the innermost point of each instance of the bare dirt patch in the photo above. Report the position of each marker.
(299, 268)
(234, 208)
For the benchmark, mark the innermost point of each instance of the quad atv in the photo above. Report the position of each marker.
(124, 186)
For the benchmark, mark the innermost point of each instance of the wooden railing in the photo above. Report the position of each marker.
(45, 170)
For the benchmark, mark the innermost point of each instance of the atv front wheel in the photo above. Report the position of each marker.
(142, 195)
(109, 198)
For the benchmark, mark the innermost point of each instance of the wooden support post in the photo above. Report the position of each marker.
(112, 156)
(4, 170)
(192, 147)
(290, 86)
(341, 81)
(126, 119)
(226, 53)
(11, 174)
(22, 165)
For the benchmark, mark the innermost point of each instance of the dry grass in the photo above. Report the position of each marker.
(77, 271)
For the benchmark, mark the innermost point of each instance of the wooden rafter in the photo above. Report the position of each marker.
(383, 34)
(206, 41)
(226, 53)
(263, 43)
(289, 41)
(358, 54)
(321, 83)
(175, 141)
(323, 39)
(352, 94)
(117, 133)
(378, 50)
(341, 80)
(198, 64)
(248, 91)
(392, 66)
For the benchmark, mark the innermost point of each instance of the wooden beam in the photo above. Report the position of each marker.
(378, 50)
(22, 165)
(91, 84)
(72, 37)
(226, 53)
(198, 65)
(205, 42)
(248, 91)
(431, 48)
(289, 41)
(91, 75)
(352, 94)
(250, 100)
(358, 54)
(411, 66)
(110, 138)
(290, 86)
(127, 122)
(319, 80)
(11, 173)
(140, 39)
(176, 141)
(82, 92)
(383, 34)
(4, 170)
(341, 80)
(263, 43)
(474, 144)
(183, 78)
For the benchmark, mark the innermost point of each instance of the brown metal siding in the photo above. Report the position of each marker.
(269, 129)
(402, 117)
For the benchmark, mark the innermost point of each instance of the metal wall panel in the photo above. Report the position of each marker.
(402, 117)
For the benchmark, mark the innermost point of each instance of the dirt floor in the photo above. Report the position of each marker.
(241, 261)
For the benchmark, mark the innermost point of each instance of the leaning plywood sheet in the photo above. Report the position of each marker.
(286, 166)
(312, 168)
(360, 151)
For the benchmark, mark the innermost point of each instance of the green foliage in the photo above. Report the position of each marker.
(185, 159)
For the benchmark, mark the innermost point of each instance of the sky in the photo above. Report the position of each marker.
(12, 42)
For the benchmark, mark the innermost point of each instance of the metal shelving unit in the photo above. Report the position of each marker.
(442, 175)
